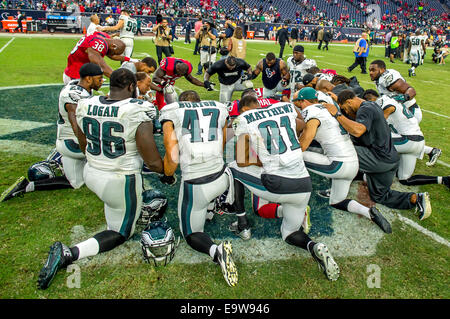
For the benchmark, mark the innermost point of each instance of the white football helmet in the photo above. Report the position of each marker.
(158, 243)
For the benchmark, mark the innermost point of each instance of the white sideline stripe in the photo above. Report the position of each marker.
(29, 86)
(443, 163)
(424, 231)
(4, 47)
(441, 115)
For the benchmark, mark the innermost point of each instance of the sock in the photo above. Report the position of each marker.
(212, 251)
(310, 247)
(200, 242)
(353, 206)
(30, 187)
(357, 208)
(427, 149)
(85, 249)
(242, 220)
(299, 239)
(59, 182)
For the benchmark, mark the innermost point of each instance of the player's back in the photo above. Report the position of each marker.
(333, 138)
(78, 56)
(169, 64)
(416, 43)
(70, 94)
(129, 27)
(273, 137)
(401, 121)
(198, 128)
(110, 127)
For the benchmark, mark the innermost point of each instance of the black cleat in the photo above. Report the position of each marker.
(423, 205)
(59, 257)
(434, 155)
(378, 218)
(16, 189)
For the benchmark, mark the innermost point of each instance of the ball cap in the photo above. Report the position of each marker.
(90, 69)
(299, 48)
(307, 78)
(306, 94)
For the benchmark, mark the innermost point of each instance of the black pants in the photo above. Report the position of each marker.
(139, 31)
(19, 26)
(379, 180)
(320, 44)
(196, 49)
(361, 61)
(266, 36)
(281, 49)
(187, 37)
(326, 45)
(160, 51)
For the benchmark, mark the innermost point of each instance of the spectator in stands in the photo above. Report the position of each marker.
(237, 46)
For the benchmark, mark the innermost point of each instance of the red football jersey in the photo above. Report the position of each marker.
(263, 102)
(168, 65)
(78, 56)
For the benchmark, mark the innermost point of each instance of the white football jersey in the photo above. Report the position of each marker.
(298, 70)
(324, 76)
(401, 121)
(333, 138)
(198, 128)
(70, 94)
(424, 38)
(129, 27)
(416, 43)
(129, 66)
(110, 129)
(389, 77)
(324, 97)
(273, 137)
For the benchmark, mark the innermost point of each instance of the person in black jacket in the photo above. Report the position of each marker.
(294, 36)
(282, 38)
(327, 37)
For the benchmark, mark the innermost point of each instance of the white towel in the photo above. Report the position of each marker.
(230, 195)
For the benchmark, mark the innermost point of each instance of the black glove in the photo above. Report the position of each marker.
(168, 180)
(208, 85)
(246, 76)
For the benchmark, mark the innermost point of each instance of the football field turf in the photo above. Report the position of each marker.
(412, 262)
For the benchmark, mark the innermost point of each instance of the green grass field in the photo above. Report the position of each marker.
(412, 264)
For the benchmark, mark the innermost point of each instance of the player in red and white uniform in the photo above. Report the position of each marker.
(93, 49)
(263, 102)
(170, 69)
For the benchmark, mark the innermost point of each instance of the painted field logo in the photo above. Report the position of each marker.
(28, 125)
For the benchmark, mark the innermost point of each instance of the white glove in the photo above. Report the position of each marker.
(134, 60)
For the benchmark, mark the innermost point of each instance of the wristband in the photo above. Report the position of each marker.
(338, 113)
(126, 59)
